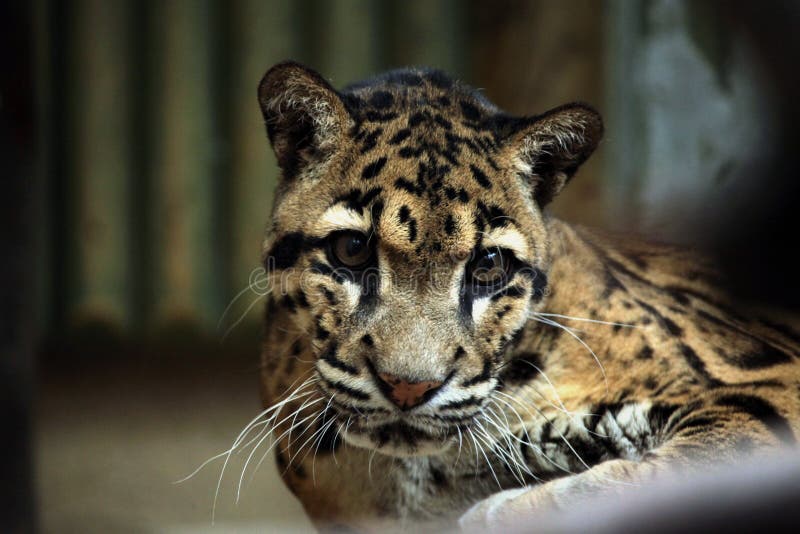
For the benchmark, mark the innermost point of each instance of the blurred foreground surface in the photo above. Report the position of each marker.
(109, 444)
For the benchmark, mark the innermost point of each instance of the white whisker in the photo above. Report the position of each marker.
(586, 320)
(582, 342)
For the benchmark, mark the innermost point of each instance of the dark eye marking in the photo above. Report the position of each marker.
(513, 292)
(285, 252)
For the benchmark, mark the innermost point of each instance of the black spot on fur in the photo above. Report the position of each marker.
(416, 119)
(470, 111)
(322, 334)
(326, 270)
(371, 140)
(381, 99)
(521, 369)
(665, 322)
(480, 177)
(449, 225)
(502, 313)
(297, 347)
(645, 354)
(412, 230)
(698, 365)
(404, 214)
(400, 136)
(441, 121)
(406, 185)
(367, 340)
(377, 210)
(439, 479)
(330, 357)
(761, 358)
(376, 116)
(460, 353)
(761, 410)
(288, 303)
(485, 375)
(373, 169)
(329, 296)
(659, 416)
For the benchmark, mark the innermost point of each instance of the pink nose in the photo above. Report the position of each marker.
(405, 394)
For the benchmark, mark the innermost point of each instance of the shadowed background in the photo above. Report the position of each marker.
(142, 182)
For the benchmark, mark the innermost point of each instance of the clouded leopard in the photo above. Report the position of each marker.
(434, 337)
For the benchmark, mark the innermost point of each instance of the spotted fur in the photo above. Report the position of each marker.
(601, 359)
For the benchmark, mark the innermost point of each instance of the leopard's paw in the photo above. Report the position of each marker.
(499, 510)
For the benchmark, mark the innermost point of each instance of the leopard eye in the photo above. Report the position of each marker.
(351, 249)
(490, 268)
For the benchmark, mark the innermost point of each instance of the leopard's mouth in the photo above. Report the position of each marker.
(401, 435)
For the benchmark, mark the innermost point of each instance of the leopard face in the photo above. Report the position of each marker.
(409, 242)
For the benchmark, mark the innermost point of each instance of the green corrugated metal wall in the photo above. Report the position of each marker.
(154, 163)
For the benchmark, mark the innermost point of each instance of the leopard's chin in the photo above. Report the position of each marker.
(398, 439)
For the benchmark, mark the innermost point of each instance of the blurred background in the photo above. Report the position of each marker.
(139, 181)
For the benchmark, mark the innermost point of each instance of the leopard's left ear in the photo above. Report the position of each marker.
(549, 148)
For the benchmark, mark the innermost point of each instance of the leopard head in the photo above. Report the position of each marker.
(409, 238)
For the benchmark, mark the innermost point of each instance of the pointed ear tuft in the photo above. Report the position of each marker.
(304, 115)
(549, 148)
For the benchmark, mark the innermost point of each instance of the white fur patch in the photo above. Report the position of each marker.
(339, 217)
(510, 238)
(479, 308)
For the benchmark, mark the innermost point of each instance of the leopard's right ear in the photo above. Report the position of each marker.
(304, 115)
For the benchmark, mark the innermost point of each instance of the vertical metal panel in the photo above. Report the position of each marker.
(625, 117)
(347, 51)
(186, 285)
(100, 142)
(43, 167)
(261, 35)
(426, 33)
